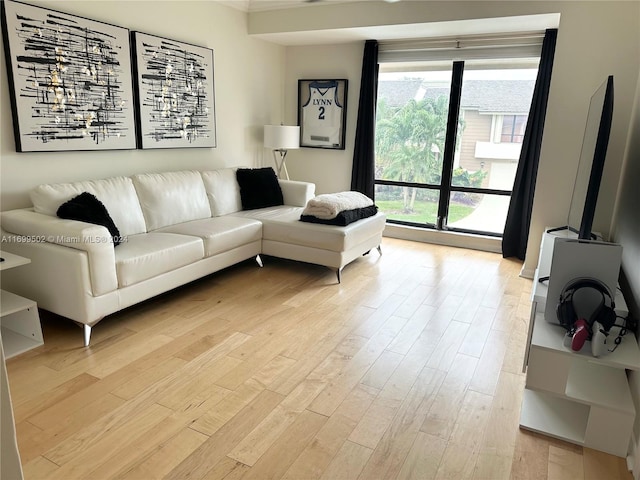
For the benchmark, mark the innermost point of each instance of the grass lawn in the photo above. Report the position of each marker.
(424, 212)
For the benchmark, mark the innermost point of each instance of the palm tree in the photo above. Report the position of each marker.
(405, 137)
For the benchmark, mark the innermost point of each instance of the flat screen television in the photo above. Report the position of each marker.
(592, 159)
(591, 164)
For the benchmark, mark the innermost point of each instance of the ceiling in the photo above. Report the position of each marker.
(486, 26)
(458, 28)
(263, 5)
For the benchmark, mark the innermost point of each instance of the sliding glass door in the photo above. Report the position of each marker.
(448, 139)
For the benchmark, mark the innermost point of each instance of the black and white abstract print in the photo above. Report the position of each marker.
(72, 83)
(175, 92)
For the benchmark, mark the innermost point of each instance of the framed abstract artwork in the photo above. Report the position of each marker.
(70, 81)
(322, 113)
(175, 91)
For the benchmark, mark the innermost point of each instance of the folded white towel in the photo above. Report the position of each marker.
(328, 205)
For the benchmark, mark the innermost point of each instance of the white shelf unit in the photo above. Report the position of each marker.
(20, 328)
(574, 396)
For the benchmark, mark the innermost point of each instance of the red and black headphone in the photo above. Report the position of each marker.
(581, 329)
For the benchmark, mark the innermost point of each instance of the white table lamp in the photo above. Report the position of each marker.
(281, 138)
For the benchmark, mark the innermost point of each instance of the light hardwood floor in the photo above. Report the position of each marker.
(409, 369)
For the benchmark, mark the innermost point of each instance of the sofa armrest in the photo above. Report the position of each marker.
(29, 227)
(296, 193)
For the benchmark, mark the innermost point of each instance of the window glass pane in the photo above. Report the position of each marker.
(475, 211)
(411, 124)
(513, 128)
(408, 204)
(494, 107)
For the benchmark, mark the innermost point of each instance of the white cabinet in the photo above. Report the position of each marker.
(10, 467)
(19, 320)
(570, 395)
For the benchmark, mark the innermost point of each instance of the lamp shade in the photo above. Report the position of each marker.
(281, 137)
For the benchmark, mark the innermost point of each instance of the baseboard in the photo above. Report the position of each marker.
(528, 273)
(451, 239)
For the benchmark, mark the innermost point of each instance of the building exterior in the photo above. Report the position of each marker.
(493, 118)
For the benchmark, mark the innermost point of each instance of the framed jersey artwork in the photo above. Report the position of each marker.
(322, 113)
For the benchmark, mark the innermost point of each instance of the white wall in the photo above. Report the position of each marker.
(626, 228)
(249, 79)
(595, 39)
(330, 170)
(626, 224)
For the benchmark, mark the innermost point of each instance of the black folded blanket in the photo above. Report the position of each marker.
(345, 217)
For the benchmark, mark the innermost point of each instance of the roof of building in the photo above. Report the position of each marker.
(398, 92)
(514, 95)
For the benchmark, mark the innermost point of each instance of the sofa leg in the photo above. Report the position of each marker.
(259, 260)
(339, 274)
(379, 248)
(86, 330)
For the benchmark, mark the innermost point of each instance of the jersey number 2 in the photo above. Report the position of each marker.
(321, 115)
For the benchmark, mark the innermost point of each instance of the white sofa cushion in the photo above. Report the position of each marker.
(220, 234)
(223, 191)
(151, 254)
(282, 224)
(171, 197)
(117, 194)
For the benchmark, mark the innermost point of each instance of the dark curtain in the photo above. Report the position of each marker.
(363, 170)
(516, 230)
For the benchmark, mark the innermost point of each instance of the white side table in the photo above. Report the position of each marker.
(569, 395)
(19, 321)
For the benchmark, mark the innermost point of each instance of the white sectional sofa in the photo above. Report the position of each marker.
(175, 227)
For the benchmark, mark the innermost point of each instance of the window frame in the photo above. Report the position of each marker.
(446, 189)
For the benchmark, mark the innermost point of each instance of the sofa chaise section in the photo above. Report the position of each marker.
(285, 236)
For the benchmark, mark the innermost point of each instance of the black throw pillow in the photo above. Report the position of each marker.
(259, 188)
(87, 208)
